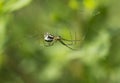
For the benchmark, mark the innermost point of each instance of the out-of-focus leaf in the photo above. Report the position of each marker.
(13, 5)
(73, 4)
(3, 22)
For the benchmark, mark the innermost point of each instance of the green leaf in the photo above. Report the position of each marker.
(14, 5)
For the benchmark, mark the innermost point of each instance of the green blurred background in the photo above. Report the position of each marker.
(25, 59)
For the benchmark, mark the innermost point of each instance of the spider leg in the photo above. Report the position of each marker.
(49, 43)
(65, 44)
(73, 41)
(70, 41)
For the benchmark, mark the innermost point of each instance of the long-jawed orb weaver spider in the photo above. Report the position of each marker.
(51, 39)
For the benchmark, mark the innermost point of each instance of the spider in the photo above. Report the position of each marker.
(51, 39)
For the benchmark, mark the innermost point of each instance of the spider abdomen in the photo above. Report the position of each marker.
(48, 37)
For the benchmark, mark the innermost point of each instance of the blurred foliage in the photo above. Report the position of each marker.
(25, 59)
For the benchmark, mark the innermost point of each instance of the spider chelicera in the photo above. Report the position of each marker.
(51, 39)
